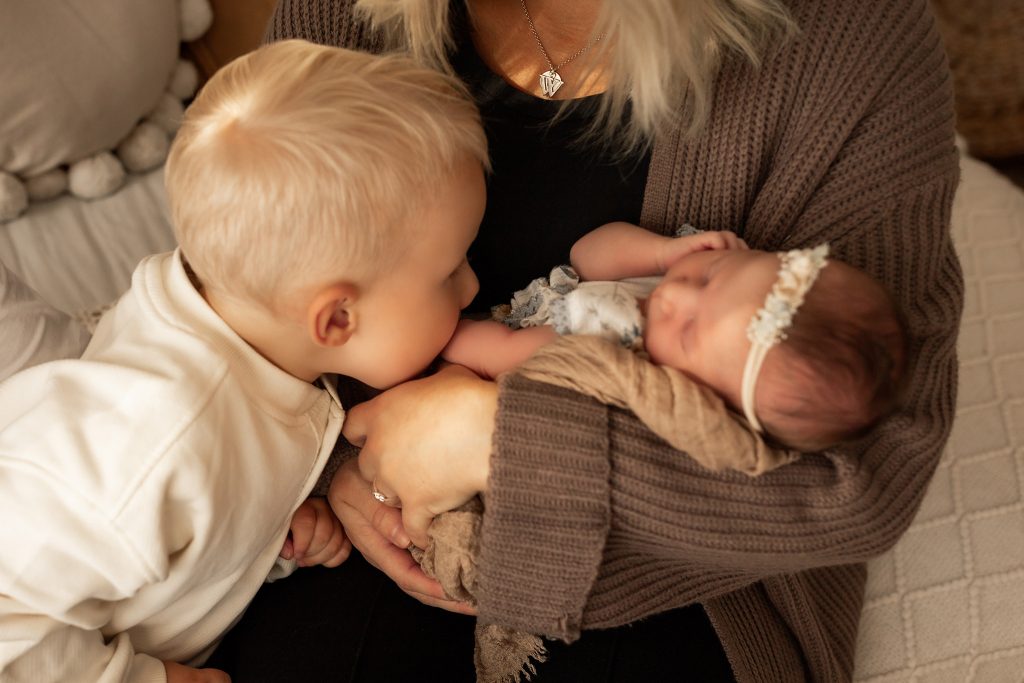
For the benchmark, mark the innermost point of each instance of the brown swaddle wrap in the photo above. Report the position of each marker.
(501, 654)
(688, 415)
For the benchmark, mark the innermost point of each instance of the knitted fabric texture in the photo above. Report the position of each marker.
(688, 416)
(500, 654)
(843, 134)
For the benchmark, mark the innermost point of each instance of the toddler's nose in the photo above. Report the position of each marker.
(470, 287)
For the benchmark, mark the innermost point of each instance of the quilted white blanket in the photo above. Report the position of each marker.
(947, 603)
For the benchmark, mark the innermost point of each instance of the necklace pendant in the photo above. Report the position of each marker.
(550, 82)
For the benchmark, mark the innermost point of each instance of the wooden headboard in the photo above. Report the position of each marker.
(238, 27)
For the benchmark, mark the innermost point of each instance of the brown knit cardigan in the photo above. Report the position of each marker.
(845, 135)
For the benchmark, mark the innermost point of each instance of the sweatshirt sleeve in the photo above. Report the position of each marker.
(592, 521)
(32, 331)
(60, 577)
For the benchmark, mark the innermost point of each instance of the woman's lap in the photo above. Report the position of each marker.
(353, 624)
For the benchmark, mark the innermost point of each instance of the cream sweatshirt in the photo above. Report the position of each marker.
(146, 489)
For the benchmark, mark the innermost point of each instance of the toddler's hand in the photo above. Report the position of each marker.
(317, 536)
(677, 247)
(179, 673)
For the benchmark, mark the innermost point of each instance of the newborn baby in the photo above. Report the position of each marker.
(811, 350)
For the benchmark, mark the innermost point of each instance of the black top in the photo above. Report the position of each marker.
(547, 188)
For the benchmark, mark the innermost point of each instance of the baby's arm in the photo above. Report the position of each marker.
(619, 250)
(490, 348)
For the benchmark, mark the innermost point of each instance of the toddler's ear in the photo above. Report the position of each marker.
(331, 319)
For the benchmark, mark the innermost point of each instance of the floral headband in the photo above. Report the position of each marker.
(798, 270)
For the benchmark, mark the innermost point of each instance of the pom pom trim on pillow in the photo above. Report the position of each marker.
(31, 176)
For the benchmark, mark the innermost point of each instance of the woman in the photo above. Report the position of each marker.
(792, 123)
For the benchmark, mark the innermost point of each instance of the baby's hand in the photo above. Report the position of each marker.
(677, 247)
(317, 536)
(179, 673)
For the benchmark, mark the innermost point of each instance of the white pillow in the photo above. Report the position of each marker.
(91, 92)
(78, 76)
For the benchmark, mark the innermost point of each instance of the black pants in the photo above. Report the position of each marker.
(353, 624)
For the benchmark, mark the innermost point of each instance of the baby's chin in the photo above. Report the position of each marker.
(652, 354)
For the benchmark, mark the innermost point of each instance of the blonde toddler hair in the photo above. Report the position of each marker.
(298, 163)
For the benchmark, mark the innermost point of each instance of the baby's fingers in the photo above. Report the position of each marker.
(722, 239)
(733, 241)
(327, 543)
(302, 528)
(344, 550)
(679, 247)
(318, 535)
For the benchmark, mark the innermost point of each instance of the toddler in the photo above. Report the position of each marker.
(811, 350)
(323, 201)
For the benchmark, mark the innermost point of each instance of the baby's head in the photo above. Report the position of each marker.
(836, 368)
(323, 187)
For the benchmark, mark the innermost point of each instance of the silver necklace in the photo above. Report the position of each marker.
(550, 80)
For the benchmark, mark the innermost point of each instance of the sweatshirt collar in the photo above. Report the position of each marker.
(166, 282)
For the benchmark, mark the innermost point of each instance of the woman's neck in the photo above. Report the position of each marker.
(504, 40)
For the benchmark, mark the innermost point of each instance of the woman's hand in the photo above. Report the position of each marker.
(427, 442)
(376, 531)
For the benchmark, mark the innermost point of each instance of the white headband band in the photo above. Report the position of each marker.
(798, 270)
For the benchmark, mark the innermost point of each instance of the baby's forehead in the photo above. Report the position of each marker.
(750, 265)
(743, 279)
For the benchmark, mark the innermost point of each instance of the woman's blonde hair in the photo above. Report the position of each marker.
(299, 162)
(664, 54)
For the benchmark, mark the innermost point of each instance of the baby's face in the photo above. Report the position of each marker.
(697, 316)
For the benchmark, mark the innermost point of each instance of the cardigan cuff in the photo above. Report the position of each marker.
(546, 510)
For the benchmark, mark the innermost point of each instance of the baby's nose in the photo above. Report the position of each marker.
(674, 298)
